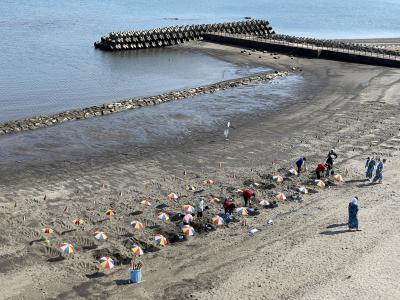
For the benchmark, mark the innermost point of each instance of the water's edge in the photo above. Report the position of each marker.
(132, 103)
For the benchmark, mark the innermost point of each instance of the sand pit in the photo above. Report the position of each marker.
(305, 253)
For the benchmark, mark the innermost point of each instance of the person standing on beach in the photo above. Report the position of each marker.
(200, 207)
(379, 169)
(353, 211)
(300, 163)
(370, 165)
(329, 162)
(320, 170)
(247, 195)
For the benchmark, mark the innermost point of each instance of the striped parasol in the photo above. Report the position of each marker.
(187, 230)
(303, 190)
(146, 203)
(100, 235)
(137, 250)
(107, 262)
(264, 203)
(78, 221)
(338, 178)
(215, 200)
(110, 212)
(173, 196)
(217, 220)
(208, 181)
(137, 225)
(188, 209)
(47, 230)
(67, 248)
(278, 179)
(160, 240)
(281, 197)
(292, 171)
(320, 183)
(163, 217)
(242, 211)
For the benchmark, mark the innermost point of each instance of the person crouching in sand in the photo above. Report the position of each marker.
(301, 163)
(248, 194)
(320, 170)
(229, 206)
(353, 210)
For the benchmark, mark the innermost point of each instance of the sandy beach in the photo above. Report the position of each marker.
(306, 254)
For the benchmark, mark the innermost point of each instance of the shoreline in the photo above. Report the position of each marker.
(28, 124)
(297, 257)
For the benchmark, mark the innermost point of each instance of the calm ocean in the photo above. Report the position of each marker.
(48, 62)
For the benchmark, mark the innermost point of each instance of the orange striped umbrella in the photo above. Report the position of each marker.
(280, 197)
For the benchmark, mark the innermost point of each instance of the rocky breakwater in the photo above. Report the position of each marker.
(167, 36)
(133, 103)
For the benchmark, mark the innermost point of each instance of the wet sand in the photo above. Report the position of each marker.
(307, 253)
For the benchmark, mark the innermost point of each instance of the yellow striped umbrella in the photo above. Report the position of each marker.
(242, 211)
(292, 172)
(278, 179)
(67, 248)
(137, 225)
(160, 240)
(137, 250)
(217, 220)
(320, 183)
(187, 230)
(100, 235)
(163, 217)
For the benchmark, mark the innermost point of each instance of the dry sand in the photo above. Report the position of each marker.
(306, 254)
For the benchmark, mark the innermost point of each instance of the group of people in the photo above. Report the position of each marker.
(322, 168)
(370, 165)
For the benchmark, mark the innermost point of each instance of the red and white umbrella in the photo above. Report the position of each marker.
(281, 197)
(188, 209)
(146, 203)
(173, 196)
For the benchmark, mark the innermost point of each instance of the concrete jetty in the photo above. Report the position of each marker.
(168, 36)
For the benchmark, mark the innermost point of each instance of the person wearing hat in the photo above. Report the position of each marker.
(353, 211)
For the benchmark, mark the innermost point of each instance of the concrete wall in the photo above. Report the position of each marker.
(304, 52)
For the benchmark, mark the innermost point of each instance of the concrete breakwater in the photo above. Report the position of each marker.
(161, 37)
(133, 103)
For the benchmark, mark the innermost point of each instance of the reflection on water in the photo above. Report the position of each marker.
(166, 124)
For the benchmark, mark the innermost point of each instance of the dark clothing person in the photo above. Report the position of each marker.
(329, 162)
(247, 194)
(300, 163)
(379, 170)
(353, 210)
(319, 170)
(370, 165)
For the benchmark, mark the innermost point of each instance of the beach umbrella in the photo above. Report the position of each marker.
(338, 178)
(100, 235)
(47, 230)
(78, 221)
(160, 240)
(137, 225)
(188, 218)
(242, 211)
(187, 230)
(320, 183)
(110, 212)
(67, 248)
(303, 190)
(163, 217)
(107, 262)
(217, 220)
(216, 200)
(292, 172)
(146, 202)
(280, 197)
(172, 196)
(188, 209)
(264, 203)
(208, 181)
(137, 250)
(278, 179)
